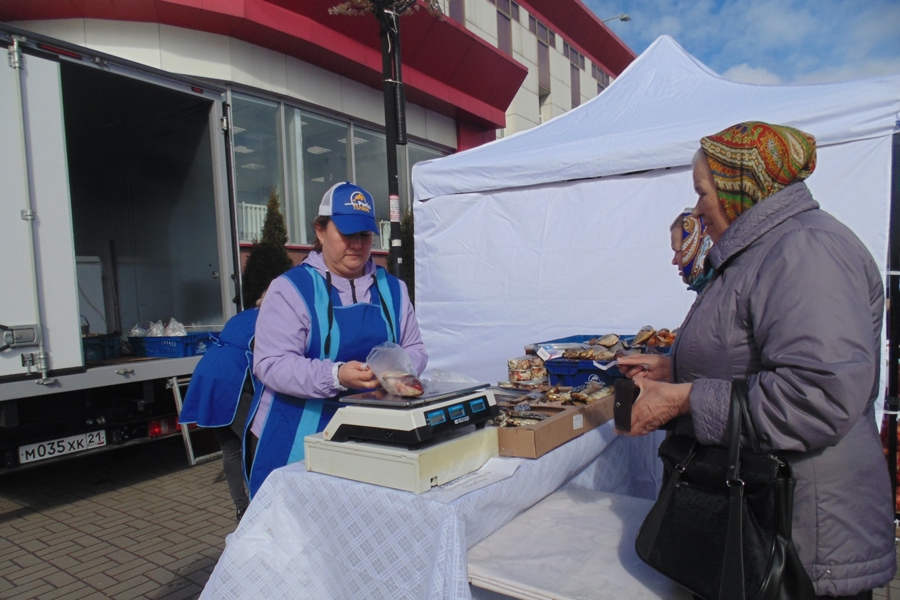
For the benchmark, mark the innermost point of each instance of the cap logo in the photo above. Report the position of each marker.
(358, 202)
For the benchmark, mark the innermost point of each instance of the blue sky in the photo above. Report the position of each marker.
(769, 41)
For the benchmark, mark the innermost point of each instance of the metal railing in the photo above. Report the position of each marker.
(251, 218)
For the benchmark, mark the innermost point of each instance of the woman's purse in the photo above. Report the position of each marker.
(721, 526)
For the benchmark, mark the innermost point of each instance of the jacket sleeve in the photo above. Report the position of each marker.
(410, 337)
(282, 331)
(815, 307)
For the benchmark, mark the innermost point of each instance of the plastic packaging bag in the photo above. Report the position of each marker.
(174, 328)
(442, 376)
(156, 330)
(141, 329)
(394, 370)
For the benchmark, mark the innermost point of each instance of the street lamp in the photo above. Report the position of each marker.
(388, 12)
(623, 17)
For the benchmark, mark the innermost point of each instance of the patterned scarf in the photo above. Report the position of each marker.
(695, 244)
(751, 161)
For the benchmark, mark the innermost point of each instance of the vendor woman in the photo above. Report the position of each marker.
(316, 328)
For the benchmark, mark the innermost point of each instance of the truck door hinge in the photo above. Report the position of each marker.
(27, 214)
(223, 123)
(15, 53)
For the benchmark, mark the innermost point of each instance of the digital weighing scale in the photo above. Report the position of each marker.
(382, 417)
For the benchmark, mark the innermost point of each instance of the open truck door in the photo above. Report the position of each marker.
(39, 286)
(115, 209)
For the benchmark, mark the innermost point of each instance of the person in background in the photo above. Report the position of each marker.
(220, 393)
(690, 245)
(794, 306)
(316, 328)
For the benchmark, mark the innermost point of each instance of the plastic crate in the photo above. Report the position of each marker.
(573, 372)
(565, 371)
(100, 347)
(178, 346)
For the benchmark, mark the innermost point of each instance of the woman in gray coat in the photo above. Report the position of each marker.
(795, 307)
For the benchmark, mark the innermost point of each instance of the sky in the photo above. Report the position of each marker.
(769, 41)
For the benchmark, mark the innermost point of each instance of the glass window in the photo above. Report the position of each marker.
(417, 153)
(543, 69)
(317, 155)
(257, 161)
(370, 166)
(458, 11)
(504, 33)
(575, 74)
(318, 158)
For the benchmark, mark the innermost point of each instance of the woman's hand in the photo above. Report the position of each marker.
(657, 404)
(355, 375)
(650, 366)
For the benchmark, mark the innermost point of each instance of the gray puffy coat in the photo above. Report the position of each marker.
(796, 307)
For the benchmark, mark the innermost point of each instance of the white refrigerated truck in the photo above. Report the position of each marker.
(116, 208)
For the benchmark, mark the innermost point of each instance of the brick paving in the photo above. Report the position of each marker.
(136, 522)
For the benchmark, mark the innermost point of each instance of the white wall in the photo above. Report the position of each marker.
(217, 57)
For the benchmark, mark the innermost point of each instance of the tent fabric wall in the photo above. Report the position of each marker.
(498, 270)
(651, 118)
(563, 229)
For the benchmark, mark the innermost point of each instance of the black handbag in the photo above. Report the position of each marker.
(721, 526)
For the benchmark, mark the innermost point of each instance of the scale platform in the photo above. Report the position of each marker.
(382, 417)
(412, 470)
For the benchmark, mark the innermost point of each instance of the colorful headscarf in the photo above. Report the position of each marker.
(695, 244)
(753, 160)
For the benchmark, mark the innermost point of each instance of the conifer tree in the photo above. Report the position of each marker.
(268, 257)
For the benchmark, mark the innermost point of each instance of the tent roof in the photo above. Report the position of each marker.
(653, 117)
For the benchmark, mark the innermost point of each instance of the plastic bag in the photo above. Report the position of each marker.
(141, 329)
(156, 330)
(442, 376)
(394, 370)
(174, 328)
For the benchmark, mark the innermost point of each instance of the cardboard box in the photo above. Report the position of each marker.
(566, 423)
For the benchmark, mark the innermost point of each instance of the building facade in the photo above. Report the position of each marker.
(305, 86)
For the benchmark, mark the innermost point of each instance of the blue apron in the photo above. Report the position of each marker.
(337, 332)
(215, 387)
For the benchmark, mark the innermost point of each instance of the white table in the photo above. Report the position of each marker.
(308, 535)
(572, 545)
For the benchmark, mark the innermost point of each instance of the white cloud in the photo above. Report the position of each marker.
(744, 73)
(770, 41)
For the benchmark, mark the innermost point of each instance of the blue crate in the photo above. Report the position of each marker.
(179, 346)
(572, 372)
(100, 347)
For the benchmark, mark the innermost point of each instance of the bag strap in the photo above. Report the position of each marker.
(731, 585)
(741, 394)
(653, 522)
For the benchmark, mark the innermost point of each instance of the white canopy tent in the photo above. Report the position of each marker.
(563, 229)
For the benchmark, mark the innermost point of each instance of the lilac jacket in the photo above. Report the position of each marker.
(795, 308)
(282, 330)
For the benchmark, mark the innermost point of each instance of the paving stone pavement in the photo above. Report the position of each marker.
(134, 522)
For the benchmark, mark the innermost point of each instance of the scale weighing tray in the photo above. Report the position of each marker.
(382, 417)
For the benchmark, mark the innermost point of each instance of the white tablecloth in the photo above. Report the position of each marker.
(572, 545)
(308, 535)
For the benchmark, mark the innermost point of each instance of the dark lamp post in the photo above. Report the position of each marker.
(394, 114)
(388, 12)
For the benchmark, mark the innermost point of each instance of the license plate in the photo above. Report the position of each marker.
(62, 446)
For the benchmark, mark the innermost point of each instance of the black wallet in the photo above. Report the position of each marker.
(626, 394)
